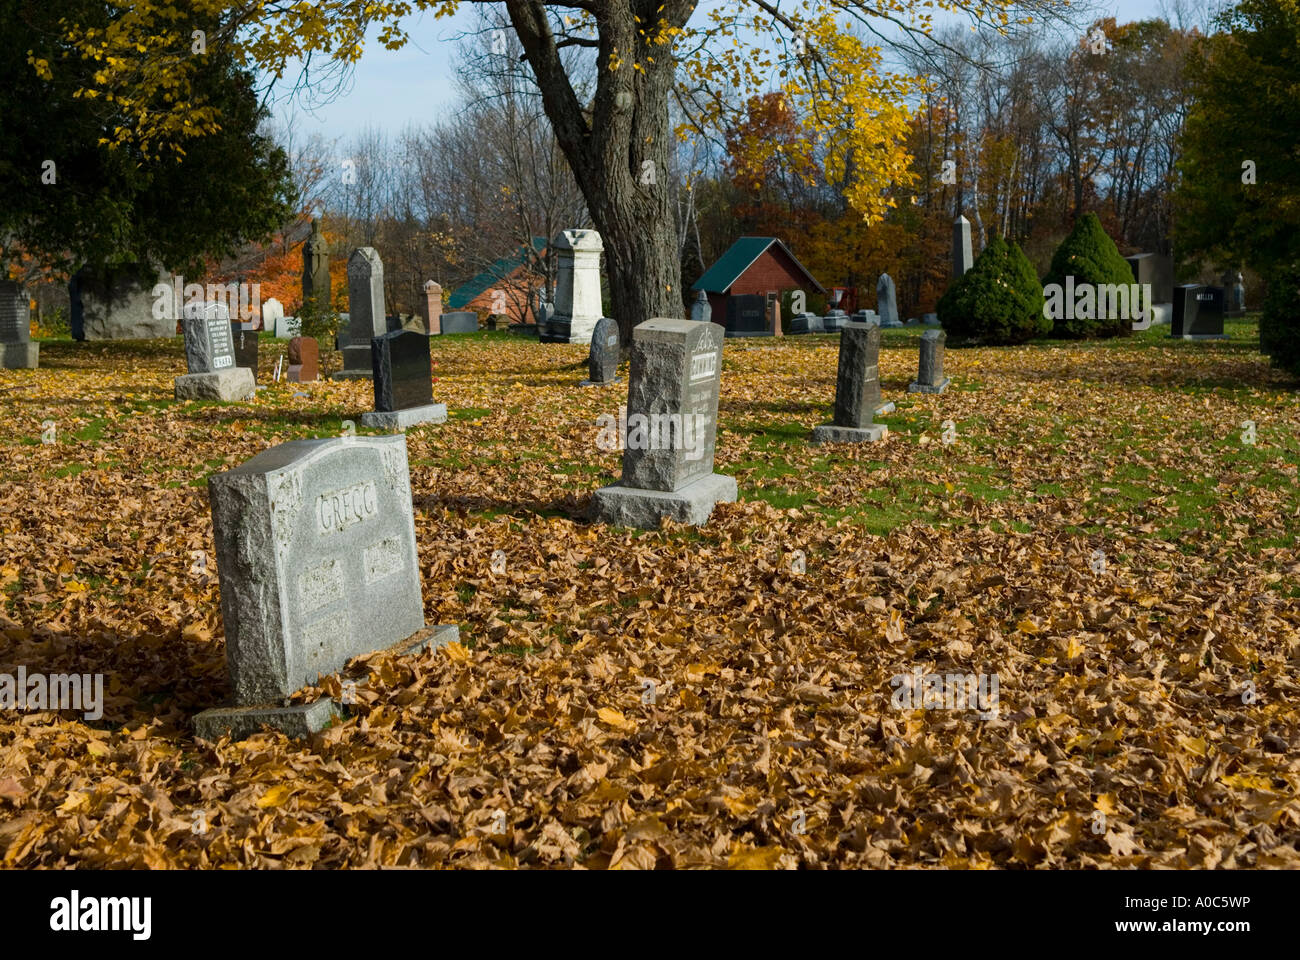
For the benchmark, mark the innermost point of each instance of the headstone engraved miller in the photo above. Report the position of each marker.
(857, 388)
(602, 364)
(1198, 313)
(962, 258)
(210, 357)
(317, 563)
(367, 317)
(671, 429)
(929, 375)
(403, 382)
(17, 352)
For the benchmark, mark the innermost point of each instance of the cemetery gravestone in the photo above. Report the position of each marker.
(887, 301)
(857, 389)
(17, 352)
(671, 429)
(460, 321)
(835, 318)
(316, 270)
(367, 317)
(403, 377)
(747, 316)
(317, 561)
(1198, 313)
(929, 375)
(930, 320)
(806, 323)
(120, 304)
(962, 258)
(577, 286)
(1156, 270)
(701, 309)
(304, 360)
(602, 364)
(272, 314)
(1234, 298)
(244, 336)
(210, 357)
(433, 308)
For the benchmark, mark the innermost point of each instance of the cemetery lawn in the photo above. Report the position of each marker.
(683, 697)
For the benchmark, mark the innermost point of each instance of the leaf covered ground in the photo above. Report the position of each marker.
(689, 698)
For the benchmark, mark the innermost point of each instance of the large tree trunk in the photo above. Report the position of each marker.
(618, 148)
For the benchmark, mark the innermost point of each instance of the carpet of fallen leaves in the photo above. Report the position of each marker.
(1155, 699)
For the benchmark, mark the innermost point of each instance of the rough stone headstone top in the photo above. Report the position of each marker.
(886, 299)
(209, 347)
(602, 365)
(403, 371)
(317, 560)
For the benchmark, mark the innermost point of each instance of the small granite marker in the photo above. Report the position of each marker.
(602, 364)
(210, 357)
(244, 336)
(671, 429)
(929, 376)
(304, 360)
(17, 352)
(403, 383)
(806, 323)
(317, 563)
(857, 389)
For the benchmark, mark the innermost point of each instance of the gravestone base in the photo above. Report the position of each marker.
(356, 364)
(401, 419)
(236, 383)
(599, 383)
(20, 356)
(915, 387)
(303, 719)
(633, 507)
(830, 433)
(570, 331)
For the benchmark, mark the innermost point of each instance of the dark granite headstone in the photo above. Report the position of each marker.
(1156, 270)
(1198, 312)
(16, 348)
(245, 339)
(460, 321)
(403, 372)
(747, 316)
(602, 365)
(857, 388)
(929, 375)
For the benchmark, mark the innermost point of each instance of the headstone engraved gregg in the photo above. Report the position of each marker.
(317, 562)
(403, 382)
(671, 428)
(929, 375)
(857, 389)
(367, 317)
(17, 352)
(210, 357)
(602, 364)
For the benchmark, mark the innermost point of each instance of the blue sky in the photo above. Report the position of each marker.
(390, 89)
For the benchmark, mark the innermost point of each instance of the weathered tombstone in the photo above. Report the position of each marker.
(701, 310)
(857, 389)
(403, 382)
(433, 308)
(577, 286)
(962, 258)
(128, 303)
(317, 563)
(930, 320)
(460, 321)
(747, 316)
(1198, 313)
(806, 323)
(671, 429)
(366, 313)
(244, 336)
(774, 315)
(602, 364)
(272, 314)
(1234, 299)
(17, 352)
(866, 316)
(210, 357)
(929, 375)
(316, 270)
(304, 360)
(835, 318)
(886, 299)
(1156, 270)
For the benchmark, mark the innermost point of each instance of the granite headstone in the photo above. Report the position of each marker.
(857, 388)
(929, 375)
